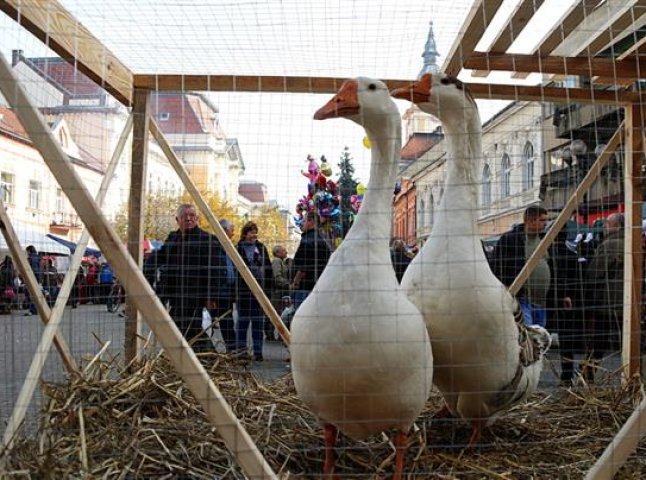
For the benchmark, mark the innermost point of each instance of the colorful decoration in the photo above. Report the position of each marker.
(325, 198)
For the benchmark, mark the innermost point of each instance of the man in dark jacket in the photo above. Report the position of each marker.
(194, 274)
(310, 259)
(512, 251)
(604, 289)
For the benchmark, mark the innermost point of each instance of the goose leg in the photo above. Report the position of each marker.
(401, 444)
(329, 434)
(475, 434)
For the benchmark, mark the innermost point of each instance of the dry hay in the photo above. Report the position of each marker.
(146, 424)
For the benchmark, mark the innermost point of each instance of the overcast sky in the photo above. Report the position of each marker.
(342, 38)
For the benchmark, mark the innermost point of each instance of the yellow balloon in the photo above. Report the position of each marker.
(361, 189)
(366, 142)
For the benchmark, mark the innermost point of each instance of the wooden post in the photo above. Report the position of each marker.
(175, 345)
(633, 266)
(51, 329)
(567, 211)
(141, 115)
(229, 248)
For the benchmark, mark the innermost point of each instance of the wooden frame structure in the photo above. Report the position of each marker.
(48, 20)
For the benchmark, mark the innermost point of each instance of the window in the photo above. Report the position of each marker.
(7, 181)
(486, 186)
(431, 211)
(505, 179)
(163, 116)
(34, 194)
(420, 214)
(528, 166)
(60, 201)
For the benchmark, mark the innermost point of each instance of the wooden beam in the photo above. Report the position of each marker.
(237, 83)
(141, 118)
(621, 447)
(631, 68)
(475, 24)
(518, 20)
(51, 23)
(565, 214)
(549, 94)
(180, 354)
(562, 29)
(614, 31)
(44, 346)
(330, 85)
(224, 240)
(633, 265)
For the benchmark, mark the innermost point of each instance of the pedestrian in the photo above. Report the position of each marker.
(106, 279)
(564, 301)
(256, 256)
(226, 299)
(50, 281)
(604, 293)
(280, 269)
(34, 262)
(193, 266)
(509, 256)
(399, 257)
(310, 259)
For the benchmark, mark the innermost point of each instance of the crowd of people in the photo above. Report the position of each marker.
(575, 290)
(92, 283)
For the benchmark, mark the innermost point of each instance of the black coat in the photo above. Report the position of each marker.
(192, 271)
(508, 257)
(311, 258)
(262, 262)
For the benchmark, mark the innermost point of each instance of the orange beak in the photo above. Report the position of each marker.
(344, 104)
(416, 92)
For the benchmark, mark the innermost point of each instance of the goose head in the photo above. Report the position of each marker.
(362, 100)
(441, 95)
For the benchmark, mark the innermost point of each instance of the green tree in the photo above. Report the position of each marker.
(347, 186)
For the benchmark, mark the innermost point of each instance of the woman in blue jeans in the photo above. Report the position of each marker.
(256, 256)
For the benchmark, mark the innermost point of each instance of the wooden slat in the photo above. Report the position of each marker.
(517, 21)
(477, 21)
(621, 447)
(141, 118)
(631, 68)
(633, 266)
(180, 354)
(613, 32)
(224, 240)
(324, 85)
(238, 83)
(51, 329)
(633, 50)
(60, 31)
(549, 94)
(562, 29)
(566, 212)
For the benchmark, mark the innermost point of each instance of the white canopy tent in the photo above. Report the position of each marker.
(28, 236)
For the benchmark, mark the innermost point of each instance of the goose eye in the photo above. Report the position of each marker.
(372, 86)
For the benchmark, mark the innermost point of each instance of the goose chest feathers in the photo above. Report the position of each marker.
(361, 356)
(482, 365)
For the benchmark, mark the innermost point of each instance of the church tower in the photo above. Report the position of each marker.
(416, 121)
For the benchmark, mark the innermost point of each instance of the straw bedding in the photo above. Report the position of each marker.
(145, 423)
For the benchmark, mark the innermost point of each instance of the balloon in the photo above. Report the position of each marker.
(361, 189)
(366, 142)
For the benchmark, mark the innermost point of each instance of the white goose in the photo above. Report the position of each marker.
(361, 356)
(485, 360)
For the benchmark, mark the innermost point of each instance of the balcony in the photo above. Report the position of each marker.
(62, 222)
(581, 120)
